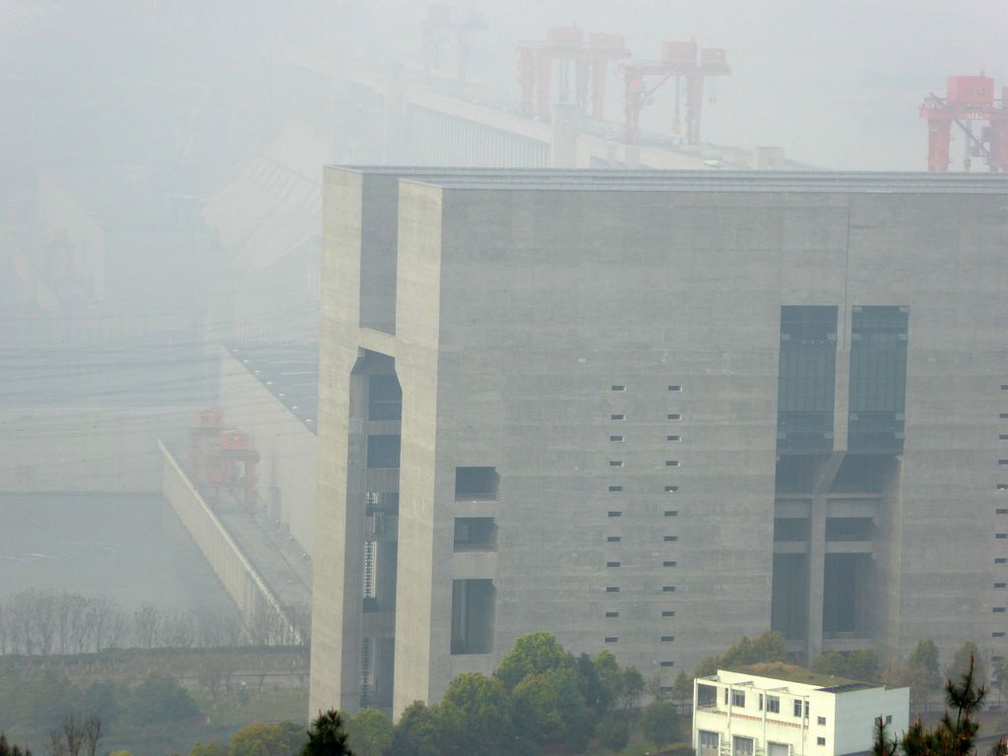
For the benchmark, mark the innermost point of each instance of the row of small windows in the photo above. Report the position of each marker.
(674, 387)
(668, 463)
(664, 639)
(665, 589)
(619, 513)
(616, 438)
(618, 488)
(665, 563)
(669, 416)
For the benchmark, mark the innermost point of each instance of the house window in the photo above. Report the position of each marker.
(998, 634)
(671, 512)
(675, 463)
(612, 589)
(383, 451)
(667, 638)
(821, 721)
(666, 664)
(616, 438)
(668, 564)
(999, 610)
(1001, 585)
(671, 589)
(742, 746)
(475, 534)
(797, 707)
(615, 463)
(615, 489)
(888, 719)
(820, 741)
(674, 387)
(611, 639)
(617, 416)
(738, 698)
(773, 704)
(709, 743)
(476, 484)
(673, 416)
(618, 387)
(673, 438)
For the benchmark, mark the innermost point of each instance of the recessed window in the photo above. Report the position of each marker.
(997, 634)
(668, 588)
(669, 538)
(674, 387)
(999, 610)
(614, 539)
(1003, 437)
(1002, 486)
(671, 512)
(673, 438)
(773, 704)
(615, 513)
(888, 719)
(615, 489)
(475, 534)
(1001, 585)
(1001, 535)
(618, 387)
(616, 438)
(611, 639)
(1003, 461)
(617, 416)
(666, 664)
(1001, 510)
(797, 708)
(671, 489)
(667, 638)
(611, 615)
(1004, 386)
(820, 741)
(1003, 416)
(612, 564)
(476, 484)
(821, 721)
(671, 463)
(383, 451)
(1000, 560)
(669, 563)
(615, 463)
(738, 698)
(668, 613)
(612, 589)
(674, 416)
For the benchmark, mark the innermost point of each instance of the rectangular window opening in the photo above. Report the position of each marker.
(477, 484)
(674, 387)
(615, 489)
(614, 539)
(673, 438)
(615, 463)
(618, 387)
(671, 512)
(475, 534)
(612, 564)
(473, 606)
(673, 416)
(611, 615)
(612, 589)
(617, 416)
(671, 463)
(616, 439)
(668, 613)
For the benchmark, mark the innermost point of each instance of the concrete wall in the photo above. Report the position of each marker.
(241, 581)
(286, 447)
(99, 449)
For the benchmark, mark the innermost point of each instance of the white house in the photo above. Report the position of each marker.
(781, 710)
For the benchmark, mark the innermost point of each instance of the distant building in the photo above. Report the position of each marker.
(788, 712)
(652, 412)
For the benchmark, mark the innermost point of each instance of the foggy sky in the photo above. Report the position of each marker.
(837, 84)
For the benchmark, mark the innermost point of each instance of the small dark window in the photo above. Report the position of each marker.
(673, 416)
(614, 539)
(476, 484)
(1003, 437)
(671, 463)
(671, 489)
(999, 610)
(1003, 461)
(668, 613)
(797, 708)
(383, 451)
(820, 741)
(997, 635)
(615, 438)
(611, 639)
(821, 721)
(669, 538)
(617, 416)
(674, 387)
(888, 719)
(667, 638)
(1004, 386)
(615, 463)
(1000, 560)
(1002, 486)
(1001, 535)
(384, 398)
(612, 564)
(1001, 510)
(668, 588)
(668, 563)
(671, 512)
(667, 664)
(1003, 416)
(1001, 585)
(618, 387)
(475, 534)
(615, 489)
(615, 513)
(612, 589)
(611, 615)
(673, 438)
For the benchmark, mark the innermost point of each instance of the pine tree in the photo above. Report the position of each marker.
(326, 736)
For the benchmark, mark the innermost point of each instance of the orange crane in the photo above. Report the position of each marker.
(679, 61)
(968, 99)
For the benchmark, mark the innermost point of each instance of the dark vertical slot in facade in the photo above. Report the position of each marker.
(878, 379)
(846, 595)
(806, 379)
(473, 606)
(789, 603)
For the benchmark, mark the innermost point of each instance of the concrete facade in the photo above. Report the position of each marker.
(743, 714)
(594, 439)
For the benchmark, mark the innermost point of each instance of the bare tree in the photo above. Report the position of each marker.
(146, 626)
(92, 735)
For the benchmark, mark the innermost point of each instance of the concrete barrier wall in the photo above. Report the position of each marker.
(239, 578)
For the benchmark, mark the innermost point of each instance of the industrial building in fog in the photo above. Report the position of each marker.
(651, 412)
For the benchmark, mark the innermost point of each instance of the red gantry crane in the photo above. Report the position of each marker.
(679, 61)
(566, 45)
(968, 99)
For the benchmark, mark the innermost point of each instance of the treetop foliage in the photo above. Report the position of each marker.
(326, 736)
(766, 647)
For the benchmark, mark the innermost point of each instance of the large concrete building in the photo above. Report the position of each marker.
(652, 412)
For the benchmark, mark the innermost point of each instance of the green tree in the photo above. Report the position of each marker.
(210, 748)
(326, 736)
(660, 722)
(370, 732)
(532, 654)
(613, 733)
(631, 688)
(925, 656)
(416, 733)
(475, 717)
(682, 688)
(766, 647)
(160, 699)
(861, 664)
(6, 749)
(596, 696)
(552, 710)
(284, 739)
(961, 662)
